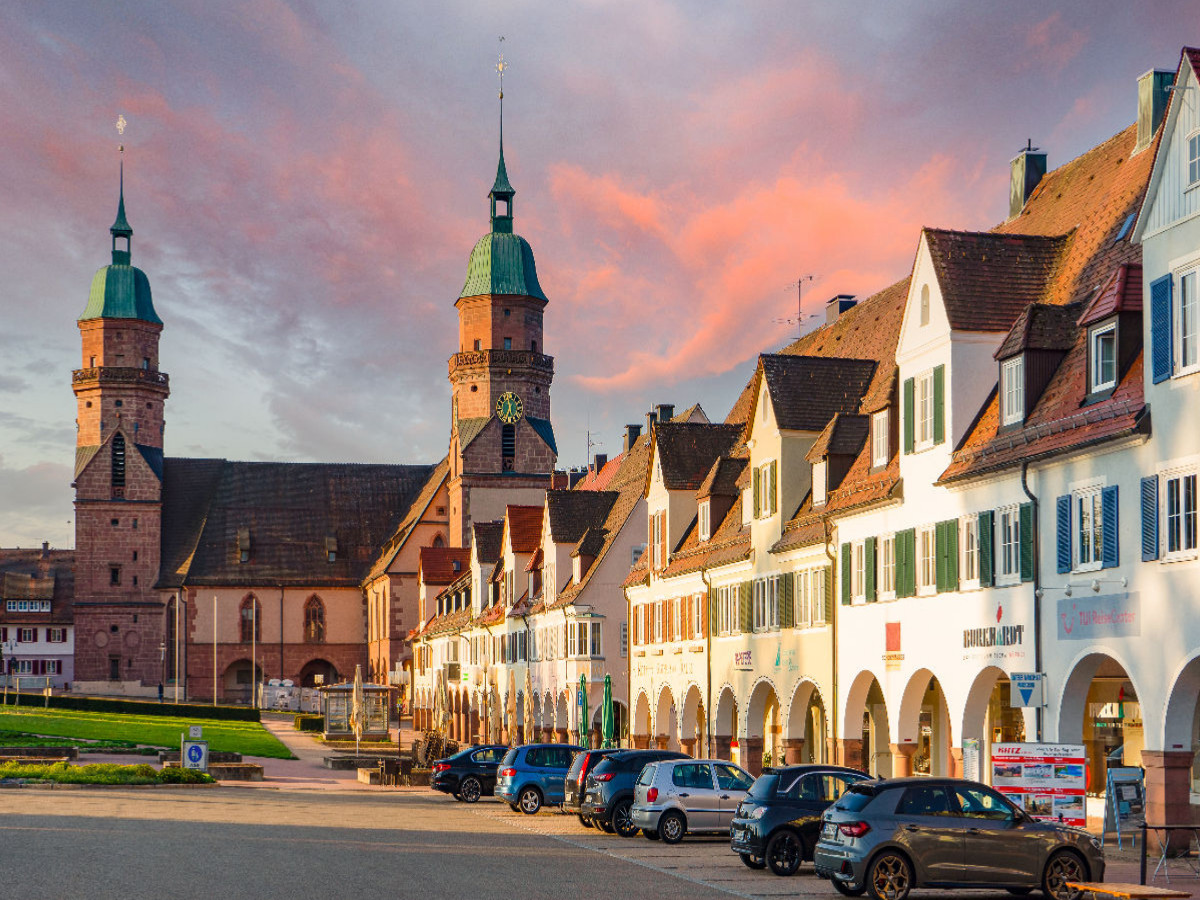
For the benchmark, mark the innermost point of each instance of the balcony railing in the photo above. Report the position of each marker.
(500, 359)
(120, 375)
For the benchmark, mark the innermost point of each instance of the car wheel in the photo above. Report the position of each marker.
(785, 852)
(622, 819)
(846, 891)
(586, 822)
(889, 877)
(470, 790)
(530, 800)
(604, 826)
(650, 834)
(671, 828)
(751, 861)
(1061, 867)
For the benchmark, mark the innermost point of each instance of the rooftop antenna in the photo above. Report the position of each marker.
(800, 317)
(1029, 148)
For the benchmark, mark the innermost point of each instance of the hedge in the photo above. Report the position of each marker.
(142, 707)
(309, 722)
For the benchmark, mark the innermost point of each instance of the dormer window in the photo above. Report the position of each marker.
(819, 483)
(881, 450)
(1012, 391)
(705, 524)
(1102, 343)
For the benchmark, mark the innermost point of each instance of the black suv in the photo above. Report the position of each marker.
(469, 774)
(584, 762)
(608, 791)
(779, 822)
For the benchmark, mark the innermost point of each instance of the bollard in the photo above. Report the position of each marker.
(1145, 835)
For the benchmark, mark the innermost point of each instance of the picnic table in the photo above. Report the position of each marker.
(1125, 891)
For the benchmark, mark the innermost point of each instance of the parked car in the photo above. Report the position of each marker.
(532, 775)
(678, 797)
(779, 822)
(576, 778)
(889, 837)
(608, 791)
(468, 774)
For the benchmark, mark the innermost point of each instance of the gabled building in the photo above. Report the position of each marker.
(37, 633)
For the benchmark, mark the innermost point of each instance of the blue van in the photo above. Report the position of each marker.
(533, 774)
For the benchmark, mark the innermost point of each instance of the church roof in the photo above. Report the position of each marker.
(121, 290)
(502, 263)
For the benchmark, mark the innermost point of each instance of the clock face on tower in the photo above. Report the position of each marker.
(509, 408)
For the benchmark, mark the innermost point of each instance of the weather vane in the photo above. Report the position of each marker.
(121, 123)
(501, 66)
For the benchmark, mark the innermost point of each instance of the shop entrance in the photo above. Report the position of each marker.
(1100, 710)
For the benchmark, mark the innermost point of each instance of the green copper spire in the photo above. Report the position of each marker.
(120, 291)
(501, 189)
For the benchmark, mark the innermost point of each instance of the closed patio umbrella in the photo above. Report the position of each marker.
(358, 708)
(606, 713)
(493, 715)
(529, 723)
(584, 720)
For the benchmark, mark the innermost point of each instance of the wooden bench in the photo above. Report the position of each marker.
(1127, 891)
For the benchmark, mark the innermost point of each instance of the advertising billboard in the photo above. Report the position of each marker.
(1048, 781)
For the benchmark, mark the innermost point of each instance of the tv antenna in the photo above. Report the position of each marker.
(800, 318)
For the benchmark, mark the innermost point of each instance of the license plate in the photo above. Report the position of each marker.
(829, 831)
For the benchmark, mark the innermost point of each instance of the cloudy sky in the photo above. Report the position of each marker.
(306, 181)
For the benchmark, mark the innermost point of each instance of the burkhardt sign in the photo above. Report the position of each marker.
(998, 641)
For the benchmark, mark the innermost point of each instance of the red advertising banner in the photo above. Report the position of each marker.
(1048, 781)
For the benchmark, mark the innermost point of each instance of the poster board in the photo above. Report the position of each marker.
(971, 760)
(1048, 781)
(1124, 801)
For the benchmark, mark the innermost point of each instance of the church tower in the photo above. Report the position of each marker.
(120, 394)
(502, 448)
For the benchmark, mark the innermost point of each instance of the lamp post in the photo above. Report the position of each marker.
(214, 649)
(162, 668)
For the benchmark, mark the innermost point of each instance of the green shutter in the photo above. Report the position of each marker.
(950, 538)
(869, 568)
(1027, 542)
(771, 489)
(906, 568)
(939, 404)
(987, 563)
(909, 414)
(939, 556)
(845, 574)
(747, 607)
(712, 611)
(755, 484)
(787, 615)
(828, 580)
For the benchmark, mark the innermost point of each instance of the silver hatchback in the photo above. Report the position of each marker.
(675, 797)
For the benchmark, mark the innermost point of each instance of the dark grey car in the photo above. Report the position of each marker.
(889, 837)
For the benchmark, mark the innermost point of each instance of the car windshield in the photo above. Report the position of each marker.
(764, 787)
(855, 799)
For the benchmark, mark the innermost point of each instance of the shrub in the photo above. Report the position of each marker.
(309, 722)
(177, 775)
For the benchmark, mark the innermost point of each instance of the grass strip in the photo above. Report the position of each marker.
(101, 773)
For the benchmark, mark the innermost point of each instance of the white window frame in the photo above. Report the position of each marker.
(1087, 528)
(1186, 327)
(819, 478)
(926, 560)
(57, 635)
(1094, 376)
(1178, 549)
(698, 616)
(727, 610)
(656, 526)
(1012, 391)
(705, 525)
(764, 489)
(766, 604)
(858, 572)
(659, 621)
(887, 567)
(800, 597)
(881, 449)
(923, 410)
(1191, 160)
(968, 549)
(1008, 557)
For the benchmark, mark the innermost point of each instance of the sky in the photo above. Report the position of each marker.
(306, 181)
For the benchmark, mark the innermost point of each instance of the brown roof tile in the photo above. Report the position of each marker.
(524, 524)
(443, 565)
(845, 435)
(1040, 326)
(688, 450)
(572, 513)
(723, 478)
(807, 391)
(488, 537)
(1122, 293)
(35, 574)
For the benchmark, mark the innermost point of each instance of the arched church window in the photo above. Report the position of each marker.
(438, 541)
(250, 617)
(314, 620)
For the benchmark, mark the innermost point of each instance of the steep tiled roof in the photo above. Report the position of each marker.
(572, 513)
(599, 480)
(443, 565)
(524, 525)
(1122, 293)
(687, 451)
(806, 391)
(988, 278)
(1040, 326)
(394, 544)
(861, 488)
(488, 537)
(37, 574)
(722, 478)
(844, 435)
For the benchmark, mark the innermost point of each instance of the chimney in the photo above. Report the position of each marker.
(838, 305)
(666, 411)
(632, 433)
(651, 418)
(1153, 91)
(598, 461)
(1028, 167)
(44, 560)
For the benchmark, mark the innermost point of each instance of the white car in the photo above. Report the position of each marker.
(675, 797)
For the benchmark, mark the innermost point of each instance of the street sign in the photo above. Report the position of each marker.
(194, 755)
(1027, 689)
(579, 696)
(195, 732)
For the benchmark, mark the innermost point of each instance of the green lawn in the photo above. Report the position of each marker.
(247, 738)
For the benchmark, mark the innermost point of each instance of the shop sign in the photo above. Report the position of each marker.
(1048, 781)
(997, 641)
(1087, 618)
(743, 660)
(892, 655)
(1026, 689)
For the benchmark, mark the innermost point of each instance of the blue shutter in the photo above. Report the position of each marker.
(1110, 546)
(1161, 351)
(1150, 518)
(1063, 534)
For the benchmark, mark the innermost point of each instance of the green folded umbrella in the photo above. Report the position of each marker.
(606, 713)
(584, 721)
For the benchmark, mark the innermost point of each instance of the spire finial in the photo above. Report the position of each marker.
(120, 228)
(501, 189)
(501, 66)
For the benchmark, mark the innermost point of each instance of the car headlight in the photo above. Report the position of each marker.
(757, 813)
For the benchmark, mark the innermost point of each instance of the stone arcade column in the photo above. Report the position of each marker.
(688, 745)
(723, 744)
(956, 763)
(1168, 786)
(902, 755)
(752, 755)
(641, 742)
(793, 750)
(560, 735)
(849, 752)
(661, 741)
(476, 730)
